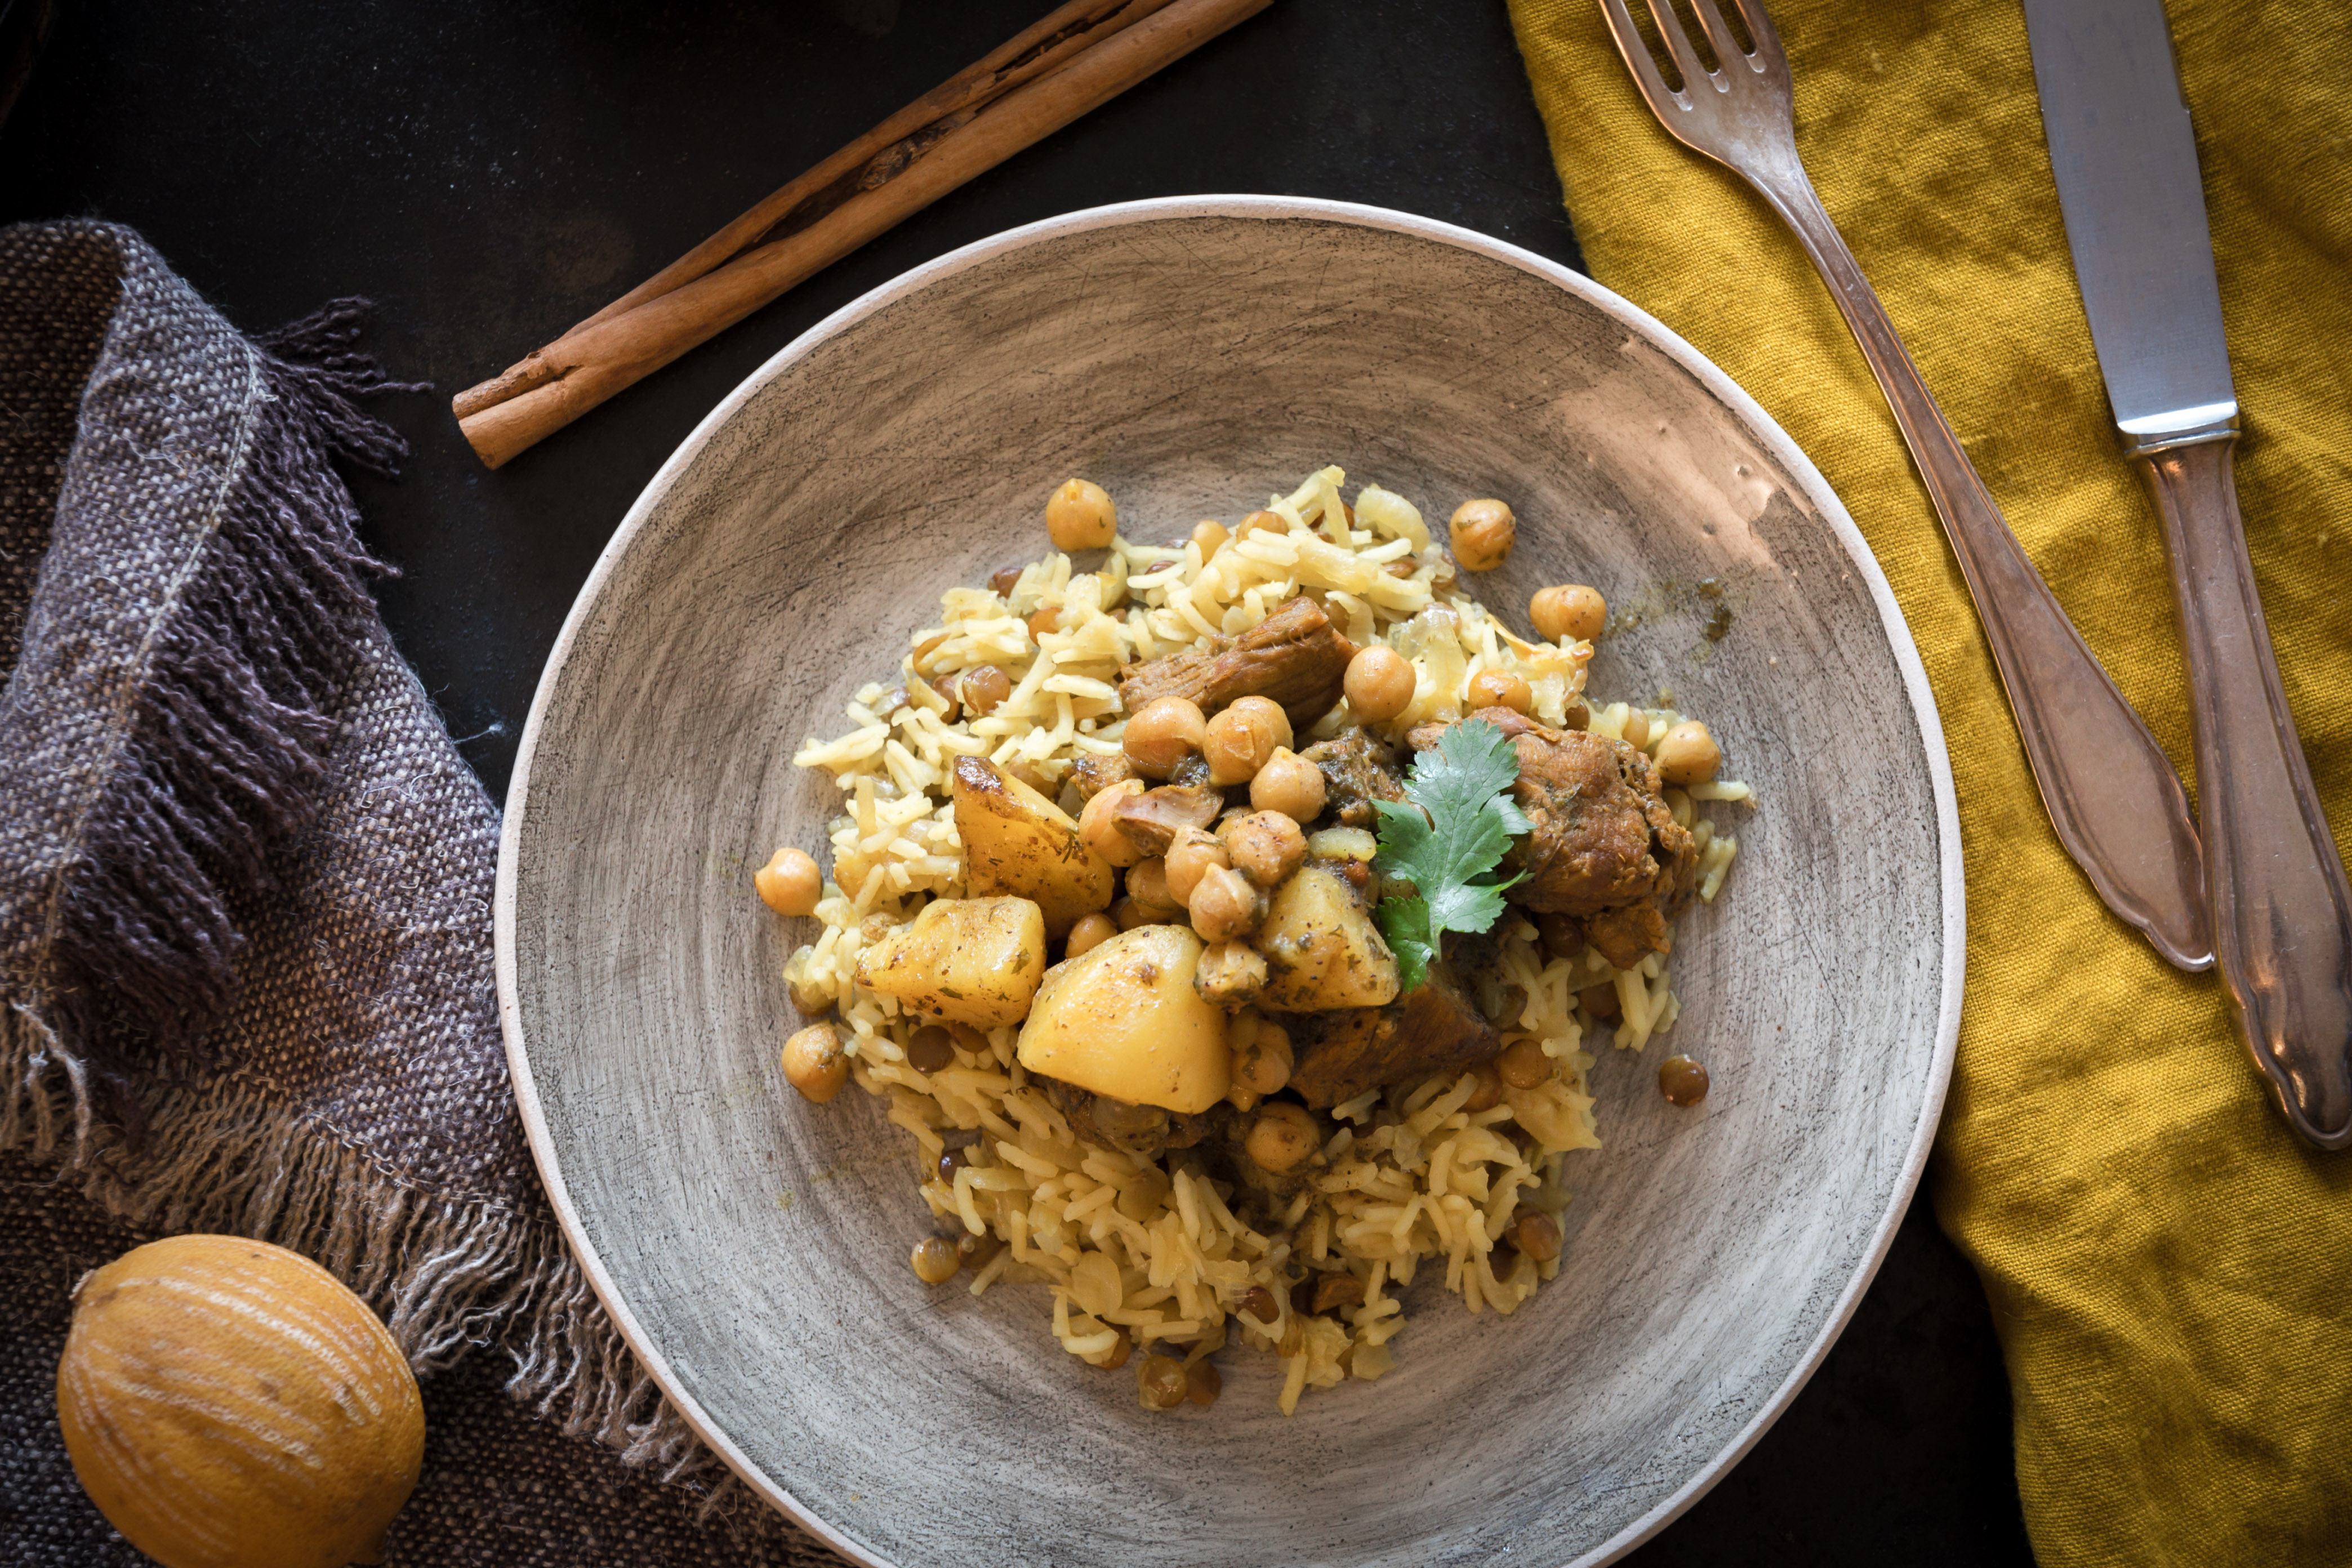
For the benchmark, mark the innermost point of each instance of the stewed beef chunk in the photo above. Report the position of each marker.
(1294, 657)
(1346, 1051)
(1358, 769)
(1091, 774)
(1149, 820)
(1604, 844)
(1145, 1132)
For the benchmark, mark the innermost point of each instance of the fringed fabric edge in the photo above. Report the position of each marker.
(227, 740)
(446, 1276)
(228, 721)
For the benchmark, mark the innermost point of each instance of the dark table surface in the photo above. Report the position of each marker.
(491, 174)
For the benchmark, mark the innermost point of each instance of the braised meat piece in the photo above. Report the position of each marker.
(1144, 1131)
(1603, 839)
(1433, 1027)
(1605, 851)
(1091, 774)
(1358, 768)
(1294, 657)
(1149, 820)
(1625, 937)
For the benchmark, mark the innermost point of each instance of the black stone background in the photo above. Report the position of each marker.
(492, 173)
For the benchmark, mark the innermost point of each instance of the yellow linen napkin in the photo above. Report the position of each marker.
(2170, 1270)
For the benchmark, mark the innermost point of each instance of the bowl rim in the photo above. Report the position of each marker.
(1784, 451)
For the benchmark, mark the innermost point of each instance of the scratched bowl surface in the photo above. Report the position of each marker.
(1194, 356)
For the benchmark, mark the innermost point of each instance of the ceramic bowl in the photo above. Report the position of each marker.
(1194, 357)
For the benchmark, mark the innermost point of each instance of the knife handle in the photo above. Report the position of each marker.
(2282, 913)
(2110, 791)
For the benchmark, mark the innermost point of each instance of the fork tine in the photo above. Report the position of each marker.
(1678, 44)
(1710, 21)
(1630, 45)
(1767, 42)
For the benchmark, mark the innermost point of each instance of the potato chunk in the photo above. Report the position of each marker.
(1123, 1020)
(974, 960)
(1322, 949)
(1016, 841)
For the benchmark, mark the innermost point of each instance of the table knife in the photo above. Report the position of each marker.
(2125, 162)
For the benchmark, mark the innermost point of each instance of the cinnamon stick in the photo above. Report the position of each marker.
(1076, 58)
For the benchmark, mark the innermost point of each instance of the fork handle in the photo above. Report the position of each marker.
(2282, 912)
(2110, 791)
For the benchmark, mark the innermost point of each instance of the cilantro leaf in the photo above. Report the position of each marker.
(1446, 841)
(1405, 923)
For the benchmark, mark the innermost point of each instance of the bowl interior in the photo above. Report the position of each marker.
(1193, 359)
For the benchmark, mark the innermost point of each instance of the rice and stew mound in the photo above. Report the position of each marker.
(1248, 1103)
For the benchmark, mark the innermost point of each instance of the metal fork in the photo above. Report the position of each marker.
(2110, 793)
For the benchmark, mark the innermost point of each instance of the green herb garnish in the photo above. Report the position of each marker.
(1449, 855)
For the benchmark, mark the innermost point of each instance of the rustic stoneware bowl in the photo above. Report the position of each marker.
(1194, 355)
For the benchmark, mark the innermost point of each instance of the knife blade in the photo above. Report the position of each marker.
(2124, 154)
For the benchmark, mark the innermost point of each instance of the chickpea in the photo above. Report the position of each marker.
(934, 1260)
(1535, 1233)
(814, 1062)
(1169, 730)
(1266, 846)
(1091, 931)
(1261, 522)
(1501, 688)
(1241, 737)
(1161, 1382)
(1489, 1092)
(1202, 1384)
(1282, 1137)
(1191, 855)
(1290, 785)
(1081, 516)
(1523, 1064)
(1130, 914)
(1258, 1302)
(895, 701)
(1264, 1063)
(1688, 754)
(1568, 611)
(1682, 1080)
(1225, 905)
(1637, 730)
(1098, 822)
(1048, 619)
(1210, 535)
(1147, 884)
(1379, 683)
(1483, 532)
(790, 883)
(932, 1048)
(981, 690)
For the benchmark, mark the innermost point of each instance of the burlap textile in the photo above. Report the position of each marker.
(245, 924)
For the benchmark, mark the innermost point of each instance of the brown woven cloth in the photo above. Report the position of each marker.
(244, 925)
